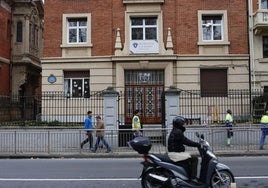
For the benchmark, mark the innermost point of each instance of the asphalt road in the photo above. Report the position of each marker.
(250, 172)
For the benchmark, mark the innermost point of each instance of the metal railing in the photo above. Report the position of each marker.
(196, 107)
(67, 141)
(205, 109)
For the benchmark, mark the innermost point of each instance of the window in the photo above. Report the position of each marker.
(213, 82)
(143, 29)
(143, 35)
(19, 32)
(212, 28)
(76, 84)
(8, 29)
(76, 35)
(33, 35)
(213, 32)
(264, 4)
(77, 30)
(265, 46)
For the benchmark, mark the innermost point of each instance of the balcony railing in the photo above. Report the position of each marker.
(260, 19)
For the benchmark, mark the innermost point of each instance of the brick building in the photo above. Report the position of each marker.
(21, 37)
(5, 38)
(21, 47)
(142, 47)
(258, 24)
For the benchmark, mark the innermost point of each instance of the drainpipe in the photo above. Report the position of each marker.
(251, 50)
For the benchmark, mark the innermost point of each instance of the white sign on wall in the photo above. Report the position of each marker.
(144, 47)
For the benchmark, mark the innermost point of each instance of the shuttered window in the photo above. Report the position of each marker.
(213, 82)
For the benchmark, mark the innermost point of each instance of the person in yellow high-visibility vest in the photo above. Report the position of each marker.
(229, 124)
(136, 124)
(264, 129)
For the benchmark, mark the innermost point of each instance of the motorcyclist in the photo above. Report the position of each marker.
(176, 142)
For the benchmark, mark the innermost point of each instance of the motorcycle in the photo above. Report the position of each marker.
(162, 171)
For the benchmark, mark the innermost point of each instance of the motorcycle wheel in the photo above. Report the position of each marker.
(222, 179)
(147, 182)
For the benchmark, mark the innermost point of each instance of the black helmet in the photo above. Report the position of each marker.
(178, 121)
(229, 111)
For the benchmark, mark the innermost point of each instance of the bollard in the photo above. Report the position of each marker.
(233, 185)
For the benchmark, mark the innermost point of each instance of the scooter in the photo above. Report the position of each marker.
(161, 171)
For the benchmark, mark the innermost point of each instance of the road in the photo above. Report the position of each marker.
(108, 173)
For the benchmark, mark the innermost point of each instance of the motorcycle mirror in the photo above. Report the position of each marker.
(197, 134)
(202, 136)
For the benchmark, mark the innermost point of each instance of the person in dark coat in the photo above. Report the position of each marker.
(176, 142)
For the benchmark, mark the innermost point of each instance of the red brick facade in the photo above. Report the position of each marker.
(179, 15)
(5, 38)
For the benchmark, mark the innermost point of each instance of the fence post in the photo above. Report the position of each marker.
(110, 113)
(172, 106)
(248, 139)
(15, 140)
(48, 142)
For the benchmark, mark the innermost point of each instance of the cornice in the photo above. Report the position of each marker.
(132, 58)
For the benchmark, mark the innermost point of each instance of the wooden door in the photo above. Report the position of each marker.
(143, 91)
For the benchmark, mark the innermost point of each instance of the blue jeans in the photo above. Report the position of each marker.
(263, 135)
(104, 143)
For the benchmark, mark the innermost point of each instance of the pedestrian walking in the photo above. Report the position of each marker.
(229, 124)
(100, 135)
(264, 129)
(136, 124)
(88, 128)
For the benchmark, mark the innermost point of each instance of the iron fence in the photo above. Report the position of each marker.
(48, 108)
(200, 108)
(67, 141)
(57, 108)
(17, 108)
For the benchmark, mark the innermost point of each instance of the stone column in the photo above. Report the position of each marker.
(110, 115)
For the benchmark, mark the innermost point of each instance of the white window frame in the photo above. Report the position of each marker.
(143, 26)
(77, 28)
(224, 29)
(211, 26)
(143, 46)
(65, 29)
(69, 87)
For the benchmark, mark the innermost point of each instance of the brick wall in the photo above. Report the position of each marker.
(179, 15)
(5, 40)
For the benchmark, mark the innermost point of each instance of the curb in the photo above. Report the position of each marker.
(123, 155)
